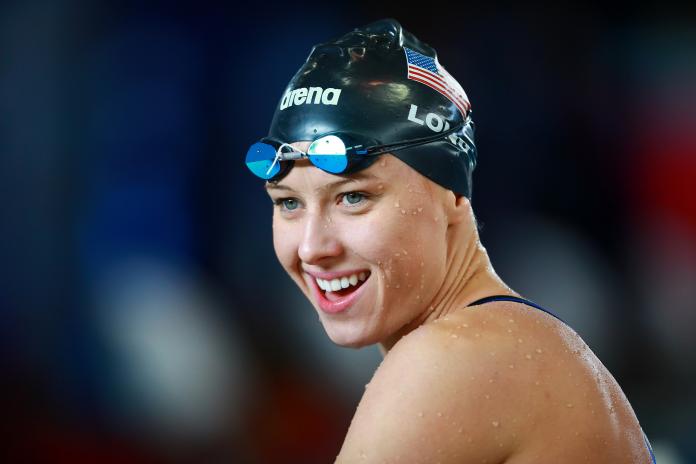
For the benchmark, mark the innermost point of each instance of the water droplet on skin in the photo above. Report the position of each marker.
(380, 186)
(509, 331)
(537, 383)
(488, 397)
(383, 163)
(511, 321)
(418, 297)
(511, 366)
(519, 340)
(454, 336)
(422, 264)
(495, 424)
(538, 350)
(460, 429)
(414, 213)
(403, 211)
(569, 405)
(528, 356)
(397, 254)
(445, 318)
(439, 414)
(405, 253)
(420, 210)
(420, 414)
(477, 335)
(397, 286)
(490, 380)
(466, 326)
(396, 205)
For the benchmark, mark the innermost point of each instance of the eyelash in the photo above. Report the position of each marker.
(280, 202)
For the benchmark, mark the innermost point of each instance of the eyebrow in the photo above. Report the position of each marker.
(331, 185)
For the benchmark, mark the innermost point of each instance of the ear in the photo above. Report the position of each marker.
(458, 208)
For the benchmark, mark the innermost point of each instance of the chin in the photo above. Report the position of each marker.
(348, 340)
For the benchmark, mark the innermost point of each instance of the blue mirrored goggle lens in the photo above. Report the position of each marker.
(259, 158)
(328, 153)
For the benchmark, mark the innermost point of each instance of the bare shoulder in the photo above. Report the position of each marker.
(496, 383)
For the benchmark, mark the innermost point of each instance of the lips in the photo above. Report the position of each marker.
(336, 292)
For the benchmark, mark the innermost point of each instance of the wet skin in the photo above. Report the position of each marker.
(499, 382)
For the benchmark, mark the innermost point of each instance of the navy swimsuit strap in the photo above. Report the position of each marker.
(516, 299)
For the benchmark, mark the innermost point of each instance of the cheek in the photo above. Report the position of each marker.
(408, 248)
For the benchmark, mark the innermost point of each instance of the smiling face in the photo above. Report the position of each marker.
(378, 234)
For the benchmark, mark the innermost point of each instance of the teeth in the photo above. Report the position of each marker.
(344, 282)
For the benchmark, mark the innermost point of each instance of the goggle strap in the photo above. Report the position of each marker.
(415, 142)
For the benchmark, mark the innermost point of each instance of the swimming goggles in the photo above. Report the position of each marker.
(335, 152)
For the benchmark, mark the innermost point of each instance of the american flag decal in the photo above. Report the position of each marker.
(428, 71)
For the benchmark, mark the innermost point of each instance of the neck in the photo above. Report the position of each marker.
(469, 277)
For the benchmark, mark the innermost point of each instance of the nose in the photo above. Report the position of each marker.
(319, 243)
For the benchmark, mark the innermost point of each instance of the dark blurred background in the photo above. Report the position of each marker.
(145, 317)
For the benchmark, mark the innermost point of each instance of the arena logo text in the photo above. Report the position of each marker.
(305, 95)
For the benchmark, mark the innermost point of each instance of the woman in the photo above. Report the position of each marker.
(369, 162)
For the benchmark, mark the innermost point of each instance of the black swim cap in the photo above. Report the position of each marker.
(381, 82)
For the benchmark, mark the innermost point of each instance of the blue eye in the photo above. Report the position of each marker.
(288, 204)
(352, 198)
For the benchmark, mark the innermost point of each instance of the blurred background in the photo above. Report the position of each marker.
(145, 318)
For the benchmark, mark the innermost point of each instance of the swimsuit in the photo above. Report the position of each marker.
(531, 303)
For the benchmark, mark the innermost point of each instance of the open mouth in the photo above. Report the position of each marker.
(336, 289)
